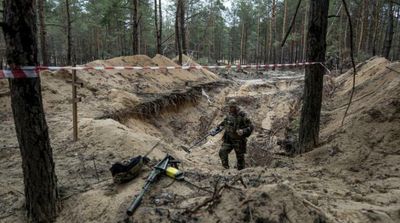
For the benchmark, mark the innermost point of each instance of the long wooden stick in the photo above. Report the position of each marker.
(291, 24)
(74, 107)
(352, 60)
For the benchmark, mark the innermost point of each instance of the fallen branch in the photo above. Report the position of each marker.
(240, 179)
(291, 24)
(216, 196)
(337, 15)
(393, 70)
(317, 209)
(352, 60)
(9, 147)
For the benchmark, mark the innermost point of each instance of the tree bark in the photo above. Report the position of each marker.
(274, 31)
(69, 36)
(178, 29)
(342, 41)
(257, 53)
(160, 24)
(270, 41)
(266, 44)
(26, 101)
(364, 20)
(242, 44)
(370, 26)
(397, 56)
(312, 98)
(43, 42)
(305, 33)
(182, 25)
(389, 32)
(284, 27)
(158, 39)
(135, 28)
(377, 9)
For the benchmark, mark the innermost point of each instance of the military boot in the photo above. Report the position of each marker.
(240, 161)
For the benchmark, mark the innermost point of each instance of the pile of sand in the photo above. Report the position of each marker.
(351, 177)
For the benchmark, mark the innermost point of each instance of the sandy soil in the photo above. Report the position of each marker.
(353, 176)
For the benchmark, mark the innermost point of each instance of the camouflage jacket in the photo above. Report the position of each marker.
(232, 123)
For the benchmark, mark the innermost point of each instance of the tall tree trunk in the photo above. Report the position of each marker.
(246, 34)
(370, 28)
(158, 37)
(160, 25)
(312, 98)
(43, 42)
(135, 28)
(266, 44)
(389, 32)
(19, 29)
(182, 25)
(257, 53)
(305, 33)
(397, 56)
(242, 44)
(270, 40)
(284, 27)
(364, 20)
(178, 29)
(69, 35)
(377, 8)
(295, 44)
(274, 30)
(341, 40)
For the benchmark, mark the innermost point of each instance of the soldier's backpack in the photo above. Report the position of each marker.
(125, 171)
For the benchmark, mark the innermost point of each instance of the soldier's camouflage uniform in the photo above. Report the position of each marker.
(232, 141)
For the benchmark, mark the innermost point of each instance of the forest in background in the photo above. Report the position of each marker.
(209, 31)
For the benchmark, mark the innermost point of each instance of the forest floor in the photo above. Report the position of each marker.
(353, 176)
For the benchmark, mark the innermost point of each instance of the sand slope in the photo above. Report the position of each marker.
(353, 176)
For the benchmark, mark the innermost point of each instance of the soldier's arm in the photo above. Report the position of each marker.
(248, 124)
(222, 124)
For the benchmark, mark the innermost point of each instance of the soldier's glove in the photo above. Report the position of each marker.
(240, 132)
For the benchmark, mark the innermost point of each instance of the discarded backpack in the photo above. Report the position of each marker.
(125, 171)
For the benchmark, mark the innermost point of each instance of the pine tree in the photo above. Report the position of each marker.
(312, 98)
(19, 29)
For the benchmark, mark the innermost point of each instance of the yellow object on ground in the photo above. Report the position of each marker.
(174, 173)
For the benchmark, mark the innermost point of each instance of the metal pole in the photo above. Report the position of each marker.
(74, 107)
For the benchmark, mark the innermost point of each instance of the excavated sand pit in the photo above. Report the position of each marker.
(352, 177)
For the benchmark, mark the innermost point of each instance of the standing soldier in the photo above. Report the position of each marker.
(237, 128)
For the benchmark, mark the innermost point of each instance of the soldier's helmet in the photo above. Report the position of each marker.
(232, 103)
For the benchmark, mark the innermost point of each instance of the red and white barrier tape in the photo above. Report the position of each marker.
(30, 71)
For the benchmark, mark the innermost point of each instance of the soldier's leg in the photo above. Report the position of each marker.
(224, 154)
(240, 150)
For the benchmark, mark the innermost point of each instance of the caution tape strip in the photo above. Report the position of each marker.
(32, 71)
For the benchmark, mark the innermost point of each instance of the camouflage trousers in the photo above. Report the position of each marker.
(240, 150)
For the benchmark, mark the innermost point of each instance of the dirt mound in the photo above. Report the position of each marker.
(351, 177)
(161, 60)
(364, 153)
(136, 60)
(188, 61)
